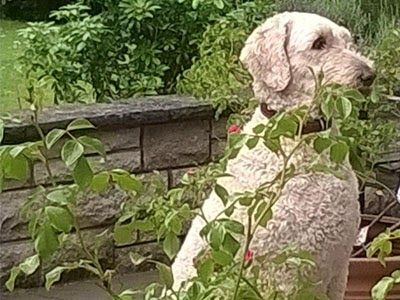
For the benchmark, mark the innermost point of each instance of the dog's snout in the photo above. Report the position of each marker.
(367, 76)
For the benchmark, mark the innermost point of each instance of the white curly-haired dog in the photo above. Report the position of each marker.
(317, 212)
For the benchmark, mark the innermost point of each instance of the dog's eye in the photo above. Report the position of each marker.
(319, 43)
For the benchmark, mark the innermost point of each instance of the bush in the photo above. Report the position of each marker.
(373, 17)
(217, 74)
(119, 48)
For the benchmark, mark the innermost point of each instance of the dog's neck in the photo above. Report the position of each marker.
(292, 97)
(315, 125)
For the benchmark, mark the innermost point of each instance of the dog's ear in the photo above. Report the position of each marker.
(264, 53)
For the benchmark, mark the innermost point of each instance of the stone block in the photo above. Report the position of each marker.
(101, 209)
(176, 144)
(217, 149)
(177, 174)
(115, 140)
(12, 254)
(219, 128)
(71, 251)
(123, 262)
(127, 160)
(12, 226)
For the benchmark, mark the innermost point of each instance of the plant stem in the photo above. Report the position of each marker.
(248, 240)
(43, 139)
(105, 283)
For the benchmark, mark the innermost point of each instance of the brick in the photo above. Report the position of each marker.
(72, 252)
(12, 226)
(177, 174)
(123, 263)
(12, 254)
(217, 149)
(176, 144)
(127, 160)
(219, 128)
(121, 139)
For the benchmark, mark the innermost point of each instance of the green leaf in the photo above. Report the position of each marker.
(344, 107)
(222, 257)
(171, 245)
(30, 264)
(166, 276)
(46, 242)
(82, 173)
(100, 182)
(1, 130)
(233, 226)
(59, 218)
(128, 182)
(272, 144)
(17, 168)
(252, 142)
(54, 276)
(266, 217)
(136, 258)
(53, 136)
(382, 288)
(259, 129)
(396, 276)
(354, 94)
(216, 236)
(338, 152)
(80, 124)
(222, 193)
(127, 295)
(327, 106)
(62, 196)
(321, 144)
(286, 126)
(71, 151)
(195, 4)
(13, 276)
(205, 269)
(93, 144)
(219, 4)
(123, 233)
(230, 244)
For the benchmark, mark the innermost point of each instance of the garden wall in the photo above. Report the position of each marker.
(166, 133)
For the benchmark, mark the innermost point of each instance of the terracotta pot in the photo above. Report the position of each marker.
(364, 272)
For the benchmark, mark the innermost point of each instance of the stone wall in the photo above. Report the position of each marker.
(165, 133)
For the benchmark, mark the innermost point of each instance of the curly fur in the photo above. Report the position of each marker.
(316, 212)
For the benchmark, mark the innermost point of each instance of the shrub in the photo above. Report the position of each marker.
(217, 74)
(119, 48)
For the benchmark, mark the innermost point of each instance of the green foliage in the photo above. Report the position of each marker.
(385, 54)
(382, 245)
(217, 74)
(373, 17)
(383, 286)
(101, 50)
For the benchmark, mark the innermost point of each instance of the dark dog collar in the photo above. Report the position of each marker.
(310, 127)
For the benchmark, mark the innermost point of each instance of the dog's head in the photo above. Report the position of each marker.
(279, 53)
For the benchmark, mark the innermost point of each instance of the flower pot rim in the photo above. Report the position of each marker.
(394, 258)
(384, 219)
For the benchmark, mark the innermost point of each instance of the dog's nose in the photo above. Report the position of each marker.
(367, 76)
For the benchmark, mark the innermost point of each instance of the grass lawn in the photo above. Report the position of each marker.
(10, 79)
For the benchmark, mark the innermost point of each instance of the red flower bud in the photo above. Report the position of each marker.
(234, 129)
(249, 255)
